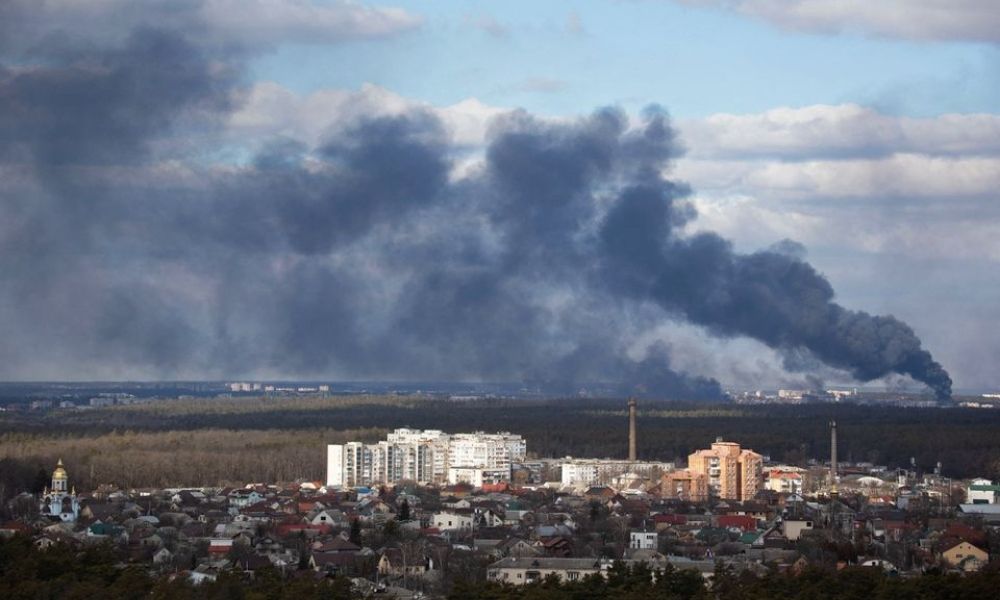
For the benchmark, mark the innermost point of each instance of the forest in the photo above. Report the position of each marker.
(215, 441)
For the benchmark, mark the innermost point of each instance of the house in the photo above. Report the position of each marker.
(453, 522)
(784, 480)
(522, 571)
(989, 513)
(162, 556)
(965, 557)
(643, 540)
(341, 563)
(793, 529)
(202, 574)
(394, 562)
(517, 547)
(457, 504)
(488, 518)
(219, 547)
(556, 546)
(244, 498)
(666, 521)
(328, 517)
(742, 522)
(982, 491)
(338, 545)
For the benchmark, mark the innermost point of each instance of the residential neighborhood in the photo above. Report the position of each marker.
(417, 538)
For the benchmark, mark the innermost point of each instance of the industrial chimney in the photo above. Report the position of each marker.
(833, 457)
(631, 430)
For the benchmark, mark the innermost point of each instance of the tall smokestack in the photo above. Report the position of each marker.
(631, 430)
(833, 457)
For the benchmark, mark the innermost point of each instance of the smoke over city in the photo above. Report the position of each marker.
(137, 234)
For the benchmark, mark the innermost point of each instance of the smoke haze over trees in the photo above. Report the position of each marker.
(139, 239)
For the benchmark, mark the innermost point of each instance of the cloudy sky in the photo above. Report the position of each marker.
(348, 190)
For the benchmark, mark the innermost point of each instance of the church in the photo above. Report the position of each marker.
(59, 502)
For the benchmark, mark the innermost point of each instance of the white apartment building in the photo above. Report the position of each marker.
(585, 472)
(477, 476)
(426, 456)
(787, 480)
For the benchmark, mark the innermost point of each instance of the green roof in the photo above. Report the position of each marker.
(749, 538)
(984, 488)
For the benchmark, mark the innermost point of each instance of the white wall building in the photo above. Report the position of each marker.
(335, 468)
(453, 522)
(787, 480)
(585, 472)
(982, 491)
(477, 476)
(425, 456)
(643, 540)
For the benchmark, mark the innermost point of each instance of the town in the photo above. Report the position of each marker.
(423, 509)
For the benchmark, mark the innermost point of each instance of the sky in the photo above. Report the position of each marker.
(206, 189)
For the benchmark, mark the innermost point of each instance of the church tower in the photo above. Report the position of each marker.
(59, 478)
(60, 502)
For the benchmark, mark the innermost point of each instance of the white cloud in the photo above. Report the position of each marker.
(271, 110)
(899, 176)
(838, 131)
(304, 20)
(962, 20)
(245, 23)
(848, 179)
(934, 233)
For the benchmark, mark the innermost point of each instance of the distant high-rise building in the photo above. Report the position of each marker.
(426, 456)
(733, 473)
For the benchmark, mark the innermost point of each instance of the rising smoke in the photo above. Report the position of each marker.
(135, 243)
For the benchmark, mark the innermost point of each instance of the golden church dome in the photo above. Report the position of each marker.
(60, 472)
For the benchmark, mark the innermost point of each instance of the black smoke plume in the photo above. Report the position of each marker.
(132, 246)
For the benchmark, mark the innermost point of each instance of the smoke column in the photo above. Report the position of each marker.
(129, 248)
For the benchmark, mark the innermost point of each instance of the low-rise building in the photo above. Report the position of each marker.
(982, 491)
(453, 522)
(643, 540)
(585, 472)
(793, 529)
(784, 480)
(965, 556)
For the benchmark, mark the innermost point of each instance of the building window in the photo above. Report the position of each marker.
(572, 575)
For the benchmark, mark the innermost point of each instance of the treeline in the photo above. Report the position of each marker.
(133, 459)
(27, 573)
(639, 583)
(212, 440)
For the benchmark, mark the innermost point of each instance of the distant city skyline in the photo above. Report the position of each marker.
(338, 191)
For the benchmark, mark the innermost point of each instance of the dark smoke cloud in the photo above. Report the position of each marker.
(131, 248)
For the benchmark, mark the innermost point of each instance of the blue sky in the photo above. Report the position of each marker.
(563, 57)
